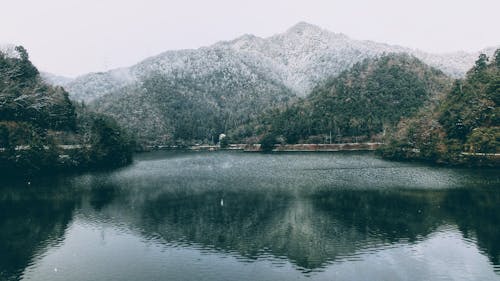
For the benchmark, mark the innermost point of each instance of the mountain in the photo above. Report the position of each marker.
(194, 95)
(301, 57)
(463, 128)
(309, 54)
(357, 105)
(53, 79)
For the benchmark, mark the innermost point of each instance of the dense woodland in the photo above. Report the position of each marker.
(463, 128)
(42, 130)
(216, 93)
(358, 105)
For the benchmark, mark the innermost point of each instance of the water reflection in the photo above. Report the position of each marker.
(312, 226)
(414, 214)
(477, 214)
(32, 219)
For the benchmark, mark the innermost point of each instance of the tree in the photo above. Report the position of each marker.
(466, 119)
(110, 145)
(481, 64)
(27, 69)
(484, 140)
(496, 57)
(224, 142)
(267, 142)
(4, 137)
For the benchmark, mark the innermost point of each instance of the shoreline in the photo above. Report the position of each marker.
(338, 147)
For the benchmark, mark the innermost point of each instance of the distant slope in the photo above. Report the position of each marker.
(55, 79)
(359, 104)
(94, 85)
(301, 57)
(464, 123)
(194, 96)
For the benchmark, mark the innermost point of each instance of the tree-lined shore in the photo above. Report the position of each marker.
(41, 130)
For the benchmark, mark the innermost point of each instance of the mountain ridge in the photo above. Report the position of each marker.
(301, 57)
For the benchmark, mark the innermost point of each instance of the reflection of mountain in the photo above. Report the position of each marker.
(310, 230)
(223, 220)
(477, 213)
(30, 221)
(401, 215)
(387, 214)
(311, 227)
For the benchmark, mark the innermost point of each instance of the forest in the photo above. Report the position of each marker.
(41, 130)
(361, 104)
(463, 128)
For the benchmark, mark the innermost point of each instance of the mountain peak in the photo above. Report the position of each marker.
(302, 27)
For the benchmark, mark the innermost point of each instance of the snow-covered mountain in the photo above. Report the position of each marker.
(309, 54)
(193, 95)
(55, 79)
(300, 57)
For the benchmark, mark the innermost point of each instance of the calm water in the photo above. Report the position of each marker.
(237, 216)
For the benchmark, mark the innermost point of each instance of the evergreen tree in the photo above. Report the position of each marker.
(497, 58)
(267, 142)
(27, 69)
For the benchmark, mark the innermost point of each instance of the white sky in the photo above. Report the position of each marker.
(72, 37)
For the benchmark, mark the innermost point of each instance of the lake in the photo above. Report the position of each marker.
(244, 216)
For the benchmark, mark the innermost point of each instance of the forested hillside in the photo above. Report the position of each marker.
(358, 105)
(462, 129)
(217, 92)
(41, 130)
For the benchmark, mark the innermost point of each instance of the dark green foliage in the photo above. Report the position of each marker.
(25, 147)
(17, 67)
(361, 102)
(224, 142)
(110, 146)
(472, 103)
(481, 64)
(466, 122)
(267, 142)
(25, 97)
(39, 131)
(26, 69)
(4, 137)
(497, 58)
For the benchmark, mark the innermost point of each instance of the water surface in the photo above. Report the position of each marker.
(239, 216)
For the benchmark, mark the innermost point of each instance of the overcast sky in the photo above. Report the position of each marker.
(72, 37)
